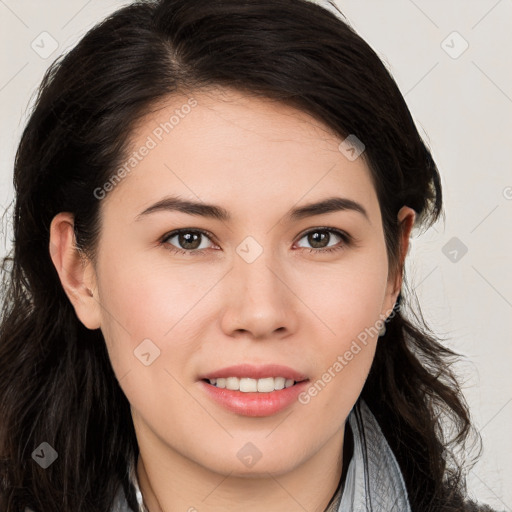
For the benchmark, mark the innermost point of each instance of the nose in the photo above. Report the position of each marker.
(259, 299)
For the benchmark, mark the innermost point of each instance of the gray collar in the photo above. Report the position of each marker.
(373, 482)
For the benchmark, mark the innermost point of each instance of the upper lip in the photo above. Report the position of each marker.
(256, 372)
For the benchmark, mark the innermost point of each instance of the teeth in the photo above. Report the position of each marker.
(266, 385)
(232, 383)
(279, 382)
(247, 385)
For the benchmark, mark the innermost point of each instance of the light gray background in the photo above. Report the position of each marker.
(462, 105)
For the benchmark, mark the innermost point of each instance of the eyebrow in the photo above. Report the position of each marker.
(329, 205)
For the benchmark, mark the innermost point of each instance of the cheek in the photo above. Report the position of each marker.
(350, 298)
(142, 301)
(147, 323)
(349, 306)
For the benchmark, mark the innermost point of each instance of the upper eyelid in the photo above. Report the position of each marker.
(336, 231)
(175, 232)
(324, 228)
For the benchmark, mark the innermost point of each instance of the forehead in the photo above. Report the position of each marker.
(229, 147)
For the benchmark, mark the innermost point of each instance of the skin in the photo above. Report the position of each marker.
(257, 159)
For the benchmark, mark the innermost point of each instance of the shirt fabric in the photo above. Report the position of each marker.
(373, 483)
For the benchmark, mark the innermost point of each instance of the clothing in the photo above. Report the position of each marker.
(373, 481)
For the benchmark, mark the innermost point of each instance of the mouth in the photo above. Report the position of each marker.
(248, 390)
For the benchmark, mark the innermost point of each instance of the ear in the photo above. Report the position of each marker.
(406, 218)
(75, 270)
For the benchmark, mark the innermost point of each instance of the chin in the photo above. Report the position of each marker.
(235, 466)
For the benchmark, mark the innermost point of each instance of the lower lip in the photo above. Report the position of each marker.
(255, 403)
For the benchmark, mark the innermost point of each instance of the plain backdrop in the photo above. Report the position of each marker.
(452, 62)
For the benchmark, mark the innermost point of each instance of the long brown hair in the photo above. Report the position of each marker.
(56, 382)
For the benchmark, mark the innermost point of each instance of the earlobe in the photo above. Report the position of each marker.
(75, 271)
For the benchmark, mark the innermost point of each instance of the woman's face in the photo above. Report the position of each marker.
(248, 283)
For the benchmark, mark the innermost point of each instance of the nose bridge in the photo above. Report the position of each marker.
(256, 269)
(259, 301)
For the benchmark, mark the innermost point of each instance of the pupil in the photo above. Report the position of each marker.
(316, 238)
(189, 240)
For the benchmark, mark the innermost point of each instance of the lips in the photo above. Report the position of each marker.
(251, 401)
(255, 372)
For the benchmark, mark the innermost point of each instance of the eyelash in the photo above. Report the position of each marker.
(346, 238)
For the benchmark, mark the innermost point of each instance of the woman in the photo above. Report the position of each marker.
(168, 341)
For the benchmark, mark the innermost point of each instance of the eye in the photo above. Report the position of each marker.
(319, 239)
(186, 241)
